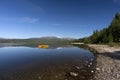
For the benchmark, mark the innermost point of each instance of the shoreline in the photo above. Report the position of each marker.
(107, 62)
(103, 48)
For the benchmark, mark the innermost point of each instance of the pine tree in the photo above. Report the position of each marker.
(110, 38)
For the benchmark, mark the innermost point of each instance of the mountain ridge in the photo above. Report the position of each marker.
(44, 37)
(41, 40)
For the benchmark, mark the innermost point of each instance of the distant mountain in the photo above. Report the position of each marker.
(45, 37)
(1, 38)
(54, 37)
(49, 37)
(41, 40)
(68, 38)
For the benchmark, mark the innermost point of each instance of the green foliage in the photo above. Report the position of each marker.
(115, 28)
(94, 37)
(109, 35)
(110, 38)
(87, 40)
(112, 44)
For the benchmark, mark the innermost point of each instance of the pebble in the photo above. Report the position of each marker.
(77, 67)
(92, 71)
(86, 61)
(118, 75)
(73, 74)
(56, 76)
(103, 70)
(91, 59)
(90, 63)
(39, 78)
(98, 69)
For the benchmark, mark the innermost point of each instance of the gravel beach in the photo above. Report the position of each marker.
(107, 62)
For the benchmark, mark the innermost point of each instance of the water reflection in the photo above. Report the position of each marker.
(55, 46)
(58, 62)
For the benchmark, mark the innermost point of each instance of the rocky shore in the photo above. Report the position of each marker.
(107, 62)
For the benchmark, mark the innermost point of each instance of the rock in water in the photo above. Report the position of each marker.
(73, 74)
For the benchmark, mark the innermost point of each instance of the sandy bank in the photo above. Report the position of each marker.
(104, 48)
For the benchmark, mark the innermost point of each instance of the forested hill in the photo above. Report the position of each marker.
(42, 40)
(111, 34)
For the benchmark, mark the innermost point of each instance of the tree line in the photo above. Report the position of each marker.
(111, 34)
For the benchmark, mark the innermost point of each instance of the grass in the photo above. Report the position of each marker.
(112, 44)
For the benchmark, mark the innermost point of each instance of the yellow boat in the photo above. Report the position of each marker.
(43, 46)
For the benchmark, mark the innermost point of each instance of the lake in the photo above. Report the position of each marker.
(55, 63)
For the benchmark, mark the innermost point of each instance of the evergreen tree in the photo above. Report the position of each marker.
(115, 28)
(110, 38)
(106, 35)
(105, 39)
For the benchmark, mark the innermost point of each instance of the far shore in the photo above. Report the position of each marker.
(77, 43)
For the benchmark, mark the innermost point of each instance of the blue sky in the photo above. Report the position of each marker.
(62, 18)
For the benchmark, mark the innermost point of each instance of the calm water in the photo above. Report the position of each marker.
(56, 63)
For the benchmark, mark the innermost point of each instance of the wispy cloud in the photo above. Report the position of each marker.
(20, 19)
(29, 20)
(56, 24)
